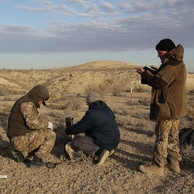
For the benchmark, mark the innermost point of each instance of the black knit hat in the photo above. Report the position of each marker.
(165, 45)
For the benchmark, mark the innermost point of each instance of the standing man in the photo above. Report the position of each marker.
(100, 128)
(28, 132)
(168, 105)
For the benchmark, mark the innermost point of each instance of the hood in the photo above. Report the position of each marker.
(99, 104)
(39, 92)
(177, 53)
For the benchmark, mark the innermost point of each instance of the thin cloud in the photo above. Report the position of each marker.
(79, 25)
(108, 7)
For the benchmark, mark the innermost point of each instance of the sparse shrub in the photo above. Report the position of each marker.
(57, 106)
(73, 105)
(116, 93)
(145, 101)
(63, 79)
(4, 91)
(141, 88)
(58, 115)
(128, 90)
(103, 87)
(4, 119)
(11, 98)
(120, 111)
(78, 95)
(191, 92)
(191, 111)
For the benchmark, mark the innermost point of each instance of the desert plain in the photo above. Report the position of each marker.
(120, 87)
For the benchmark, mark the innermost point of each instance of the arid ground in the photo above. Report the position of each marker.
(120, 87)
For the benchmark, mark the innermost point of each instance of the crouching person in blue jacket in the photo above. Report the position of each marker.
(98, 124)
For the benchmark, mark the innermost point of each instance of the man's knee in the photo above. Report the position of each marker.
(78, 142)
(50, 135)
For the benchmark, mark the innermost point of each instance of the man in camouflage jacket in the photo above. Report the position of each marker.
(168, 105)
(29, 132)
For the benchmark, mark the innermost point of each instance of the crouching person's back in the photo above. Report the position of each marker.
(100, 128)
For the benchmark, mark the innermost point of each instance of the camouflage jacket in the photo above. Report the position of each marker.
(24, 115)
(33, 120)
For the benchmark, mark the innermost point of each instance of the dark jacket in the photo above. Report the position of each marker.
(168, 87)
(17, 124)
(98, 123)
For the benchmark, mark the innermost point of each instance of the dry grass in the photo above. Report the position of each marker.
(121, 89)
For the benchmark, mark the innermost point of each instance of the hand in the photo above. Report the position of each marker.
(140, 70)
(50, 125)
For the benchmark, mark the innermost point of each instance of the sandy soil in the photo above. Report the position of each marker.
(122, 91)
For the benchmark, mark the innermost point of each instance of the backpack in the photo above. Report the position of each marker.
(186, 137)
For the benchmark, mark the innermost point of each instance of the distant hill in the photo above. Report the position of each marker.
(101, 75)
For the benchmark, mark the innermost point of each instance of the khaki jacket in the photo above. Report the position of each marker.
(168, 100)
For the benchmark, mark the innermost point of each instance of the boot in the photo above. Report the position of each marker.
(151, 169)
(69, 150)
(174, 165)
(111, 152)
(36, 161)
(18, 156)
(103, 156)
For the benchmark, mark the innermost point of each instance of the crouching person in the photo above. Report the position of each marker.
(100, 128)
(30, 134)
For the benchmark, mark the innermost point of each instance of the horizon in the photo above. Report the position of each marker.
(86, 63)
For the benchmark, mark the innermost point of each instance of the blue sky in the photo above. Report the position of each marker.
(58, 33)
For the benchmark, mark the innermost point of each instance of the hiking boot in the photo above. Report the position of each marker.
(144, 162)
(69, 150)
(32, 153)
(111, 152)
(36, 161)
(52, 159)
(18, 156)
(151, 169)
(174, 165)
(102, 157)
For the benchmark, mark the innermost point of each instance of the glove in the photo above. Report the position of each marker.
(50, 125)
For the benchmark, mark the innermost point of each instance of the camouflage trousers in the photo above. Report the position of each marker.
(167, 141)
(44, 140)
